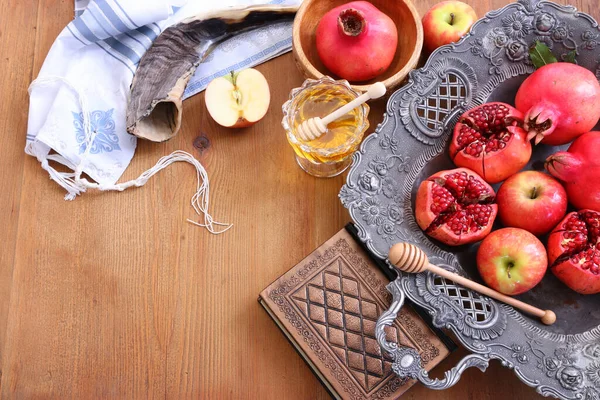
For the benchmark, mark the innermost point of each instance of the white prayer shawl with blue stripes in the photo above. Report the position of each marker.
(91, 65)
(94, 57)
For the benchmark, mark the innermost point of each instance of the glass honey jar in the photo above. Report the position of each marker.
(330, 154)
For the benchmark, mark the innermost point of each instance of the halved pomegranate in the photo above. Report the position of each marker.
(574, 251)
(455, 207)
(489, 139)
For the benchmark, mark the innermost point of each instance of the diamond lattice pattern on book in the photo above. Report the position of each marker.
(345, 312)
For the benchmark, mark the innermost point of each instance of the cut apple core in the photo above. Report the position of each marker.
(238, 101)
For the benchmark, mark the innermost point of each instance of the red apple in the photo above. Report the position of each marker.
(446, 22)
(533, 201)
(511, 260)
(238, 100)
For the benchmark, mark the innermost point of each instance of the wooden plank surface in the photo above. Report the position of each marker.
(115, 296)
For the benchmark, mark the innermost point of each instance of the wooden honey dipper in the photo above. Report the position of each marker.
(313, 128)
(409, 258)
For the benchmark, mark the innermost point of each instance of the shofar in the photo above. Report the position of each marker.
(154, 107)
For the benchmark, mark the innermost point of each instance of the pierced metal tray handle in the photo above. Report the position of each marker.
(407, 361)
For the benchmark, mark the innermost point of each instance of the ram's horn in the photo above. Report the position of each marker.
(154, 108)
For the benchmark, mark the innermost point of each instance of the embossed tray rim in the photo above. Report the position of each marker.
(583, 337)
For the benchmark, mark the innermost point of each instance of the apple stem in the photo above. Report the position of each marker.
(508, 267)
(534, 192)
(451, 18)
(236, 93)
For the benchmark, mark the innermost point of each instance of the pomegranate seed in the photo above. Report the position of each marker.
(461, 203)
(456, 183)
(484, 130)
(480, 213)
(458, 222)
(587, 260)
(574, 241)
(581, 240)
(575, 223)
(592, 220)
(442, 199)
(476, 191)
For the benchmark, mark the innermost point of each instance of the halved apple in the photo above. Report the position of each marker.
(238, 100)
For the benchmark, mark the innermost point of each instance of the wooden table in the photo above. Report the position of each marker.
(116, 296)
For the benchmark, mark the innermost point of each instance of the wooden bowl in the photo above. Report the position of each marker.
(410, 40)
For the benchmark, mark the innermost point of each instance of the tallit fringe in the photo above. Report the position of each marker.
(75, 185)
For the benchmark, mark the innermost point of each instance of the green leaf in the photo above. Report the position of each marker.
(541, 55)
(570, 57)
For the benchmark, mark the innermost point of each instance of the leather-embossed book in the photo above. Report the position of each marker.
(327, 306)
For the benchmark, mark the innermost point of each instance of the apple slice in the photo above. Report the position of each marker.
(238, 100)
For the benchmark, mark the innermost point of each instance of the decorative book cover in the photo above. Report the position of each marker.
(328, 305)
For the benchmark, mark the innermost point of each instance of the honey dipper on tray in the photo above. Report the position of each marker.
(409, 258)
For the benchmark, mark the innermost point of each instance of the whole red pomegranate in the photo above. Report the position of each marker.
(579, 170)
(456, 207)
(489, 140)
(561, 101)
(574, 251)
(356, 41)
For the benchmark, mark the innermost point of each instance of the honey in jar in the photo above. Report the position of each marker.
(330, 154)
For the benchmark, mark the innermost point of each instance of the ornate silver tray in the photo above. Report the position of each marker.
(488, 64)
